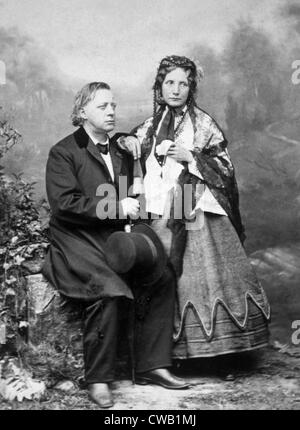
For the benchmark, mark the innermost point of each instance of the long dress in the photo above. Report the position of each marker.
(221, 306)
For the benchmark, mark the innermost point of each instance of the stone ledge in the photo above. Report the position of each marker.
(46, 316)
(55, 332)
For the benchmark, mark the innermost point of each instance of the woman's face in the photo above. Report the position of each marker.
(175, 88)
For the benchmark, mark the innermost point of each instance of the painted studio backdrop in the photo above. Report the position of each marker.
(249, 51)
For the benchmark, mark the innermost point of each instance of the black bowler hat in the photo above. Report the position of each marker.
(139, 252)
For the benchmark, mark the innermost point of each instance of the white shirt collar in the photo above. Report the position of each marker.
(95, 141)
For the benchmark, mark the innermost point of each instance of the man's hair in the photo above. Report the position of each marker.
(83, 97)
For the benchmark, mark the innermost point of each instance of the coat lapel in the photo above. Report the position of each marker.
(83, 141)
(93, 150)
(81, 137)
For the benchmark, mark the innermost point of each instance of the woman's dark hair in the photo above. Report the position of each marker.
(167, 65)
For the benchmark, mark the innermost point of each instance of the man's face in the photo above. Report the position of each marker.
(175, 88)
(99, 113)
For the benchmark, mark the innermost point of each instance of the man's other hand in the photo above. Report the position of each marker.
(130, 144)
(130, 206)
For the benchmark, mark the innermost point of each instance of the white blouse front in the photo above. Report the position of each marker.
(160, 180)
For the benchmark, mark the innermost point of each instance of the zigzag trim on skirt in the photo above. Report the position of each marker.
(210, 333)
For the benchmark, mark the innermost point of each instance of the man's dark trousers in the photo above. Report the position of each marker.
(153, 330)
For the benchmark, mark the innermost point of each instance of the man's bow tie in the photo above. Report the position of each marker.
(102, 148)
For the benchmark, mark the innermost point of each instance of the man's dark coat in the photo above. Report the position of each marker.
(75, 263)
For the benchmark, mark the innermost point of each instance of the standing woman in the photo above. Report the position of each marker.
(222, 308)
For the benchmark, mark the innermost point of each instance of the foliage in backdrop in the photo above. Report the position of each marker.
(22, 238)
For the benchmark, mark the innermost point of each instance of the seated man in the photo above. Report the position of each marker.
(77, 167)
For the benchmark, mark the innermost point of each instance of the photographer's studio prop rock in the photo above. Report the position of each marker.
(54, 332)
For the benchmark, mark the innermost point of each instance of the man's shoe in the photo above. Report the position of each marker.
(163, 378)
(101, 395)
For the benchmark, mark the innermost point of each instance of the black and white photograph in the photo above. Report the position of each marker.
(150, 207)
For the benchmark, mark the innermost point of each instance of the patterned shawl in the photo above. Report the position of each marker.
(213, 161)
